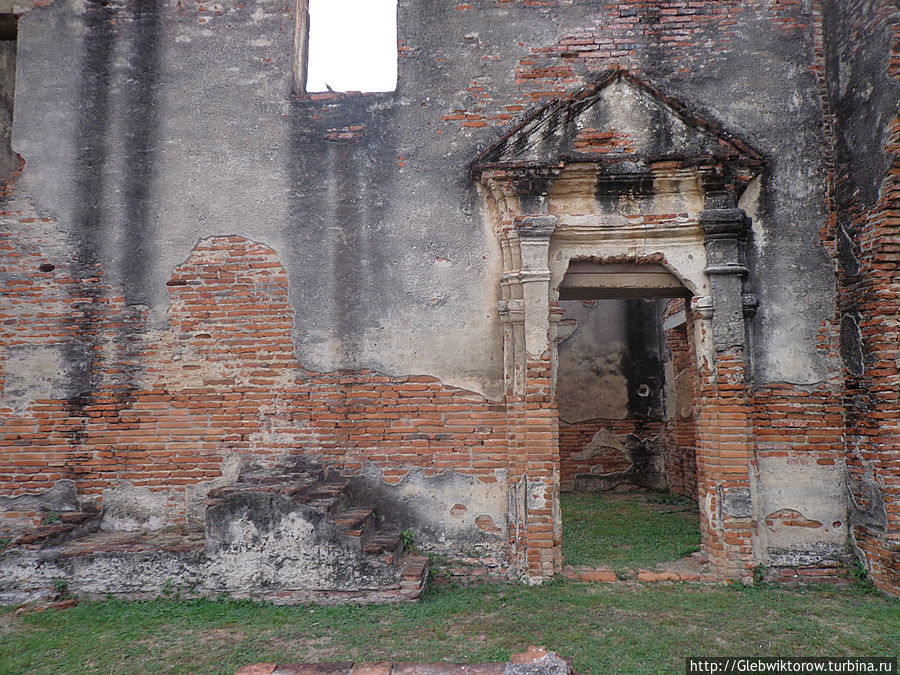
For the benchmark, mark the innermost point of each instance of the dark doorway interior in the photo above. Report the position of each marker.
(611, 394)
(626, 394)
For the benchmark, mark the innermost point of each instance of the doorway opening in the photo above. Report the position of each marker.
(626, 390)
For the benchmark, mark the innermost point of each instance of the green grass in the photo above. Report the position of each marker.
(605, 628)
(628, 531)
(618, 628)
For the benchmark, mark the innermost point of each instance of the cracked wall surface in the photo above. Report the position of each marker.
(198, 263)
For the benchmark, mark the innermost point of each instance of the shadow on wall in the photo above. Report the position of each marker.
(612, 395)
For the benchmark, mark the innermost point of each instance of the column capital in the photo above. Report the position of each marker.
(750, 302)
(535, 225)
(724, 223)
(703, 306)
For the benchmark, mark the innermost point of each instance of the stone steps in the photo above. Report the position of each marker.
(132, 542)
(290, 534)
(382, 542)
(69, 525)
(369, 564)
(414, 577)
(356, 522)
(326, 493)
(331, 497)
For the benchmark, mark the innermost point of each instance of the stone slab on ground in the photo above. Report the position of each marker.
(533, 661)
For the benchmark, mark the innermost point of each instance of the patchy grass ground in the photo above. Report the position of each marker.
(606, 628)
(621, 628)
(628, 531)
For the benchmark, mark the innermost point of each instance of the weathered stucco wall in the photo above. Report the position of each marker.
(217, 144)
(198, 262)
(384, 223)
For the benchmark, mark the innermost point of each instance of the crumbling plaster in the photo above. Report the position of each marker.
(448, 511)
(817, 493)
(180, 126)
(387, 229)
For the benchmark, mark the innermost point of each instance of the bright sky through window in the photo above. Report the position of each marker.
(352, 45)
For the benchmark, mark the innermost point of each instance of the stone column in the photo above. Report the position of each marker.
(725, 231)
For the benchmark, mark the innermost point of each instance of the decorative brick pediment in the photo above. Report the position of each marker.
(620, 119)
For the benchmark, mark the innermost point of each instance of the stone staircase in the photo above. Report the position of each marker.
(67, 525)
(287, 534)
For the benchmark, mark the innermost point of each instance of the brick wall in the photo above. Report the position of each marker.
(162, 407)
(724, 452)
(681, 427)
(801, 422)
(44, 296)
(577, 455)
(869, 303)
(675, 36)
(167, 406)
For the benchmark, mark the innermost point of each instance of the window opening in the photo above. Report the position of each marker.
(8, 34)
(346, 45)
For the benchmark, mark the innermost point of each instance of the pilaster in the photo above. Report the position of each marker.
(725, 447)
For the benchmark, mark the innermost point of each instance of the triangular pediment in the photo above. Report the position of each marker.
(619, 118)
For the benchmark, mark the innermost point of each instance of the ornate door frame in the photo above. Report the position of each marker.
(678, 211)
